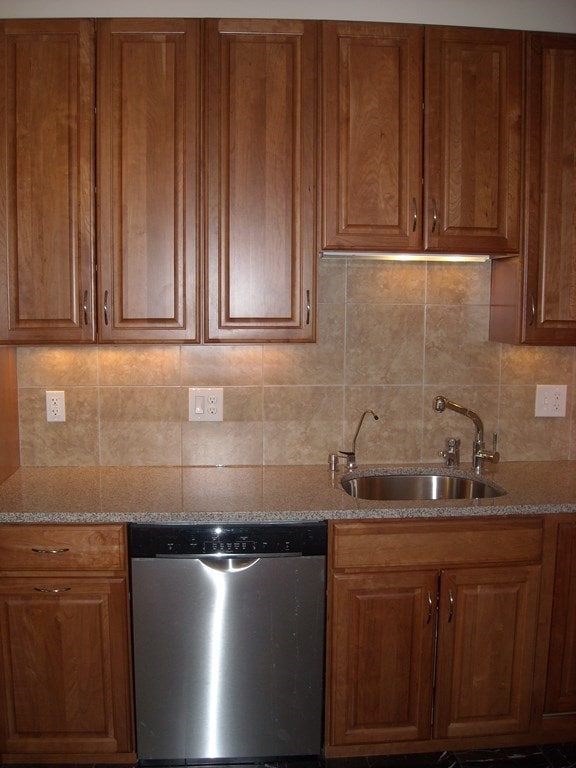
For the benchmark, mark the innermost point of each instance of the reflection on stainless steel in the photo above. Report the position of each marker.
(406, 487)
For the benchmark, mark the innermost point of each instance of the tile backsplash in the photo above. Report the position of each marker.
(390, 337)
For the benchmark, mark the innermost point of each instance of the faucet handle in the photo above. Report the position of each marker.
(493, 456)
(451, 454)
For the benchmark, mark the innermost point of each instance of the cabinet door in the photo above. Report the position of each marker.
(261, 85)
(46, 181)
(148, 190)
(372, 136)
(550, 311)
(486, 643)
(64, 666)
(381, 650)
(561, 681)
(472, 169)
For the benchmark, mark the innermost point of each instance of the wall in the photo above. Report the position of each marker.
(391, 336)
(552, 15)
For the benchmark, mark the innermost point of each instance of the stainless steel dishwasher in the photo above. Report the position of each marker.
(228, 628)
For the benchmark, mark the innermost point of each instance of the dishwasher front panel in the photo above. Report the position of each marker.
(229, 657)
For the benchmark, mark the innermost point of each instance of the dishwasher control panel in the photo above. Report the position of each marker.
(227, 539)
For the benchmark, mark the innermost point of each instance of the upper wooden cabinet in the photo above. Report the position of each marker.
(46, 181)
(148, 179)
(260, 139)
(463, 195)
(372, 129)
(534, 295)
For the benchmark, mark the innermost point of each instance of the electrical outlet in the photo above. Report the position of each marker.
(55, 405)
(550, 400)
(205, 404)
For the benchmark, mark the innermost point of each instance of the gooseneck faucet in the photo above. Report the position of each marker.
(479, 452)
(351, 455)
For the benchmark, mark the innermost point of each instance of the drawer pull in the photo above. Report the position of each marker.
(50, 551)
(54, 591)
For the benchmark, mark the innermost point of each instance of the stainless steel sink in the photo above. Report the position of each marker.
(412, 487)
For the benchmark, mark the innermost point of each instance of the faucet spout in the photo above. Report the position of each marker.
(351, 455)
(479, 453)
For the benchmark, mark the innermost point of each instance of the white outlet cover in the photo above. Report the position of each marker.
(550, 400)
(55, 405)
(205, 404)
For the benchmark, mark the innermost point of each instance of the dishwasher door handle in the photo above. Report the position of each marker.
(229, 564)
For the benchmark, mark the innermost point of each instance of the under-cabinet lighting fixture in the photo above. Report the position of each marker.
(372, 256)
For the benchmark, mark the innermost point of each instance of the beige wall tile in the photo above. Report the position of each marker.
(385, 282)
(396, 436)
(57, 367)
(301, 424)
(537, 365)
(331, 282)
(140, 426)
(221, 366)
(70, 443)
(138, 366)
(384, 344)
(320, 363)
(457, 347)
(458, 283)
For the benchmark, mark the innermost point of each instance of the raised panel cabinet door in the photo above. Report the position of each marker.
(487, 622)
(381, 650)
(260, 135)
(64, 667)
(372, 136)
(46, 181)
(472, 127)
(550, 313)
(561, 680)
(148, 179)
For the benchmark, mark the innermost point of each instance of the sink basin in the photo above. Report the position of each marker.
(411, 487)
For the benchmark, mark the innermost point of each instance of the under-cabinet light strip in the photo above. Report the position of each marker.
(370, 255)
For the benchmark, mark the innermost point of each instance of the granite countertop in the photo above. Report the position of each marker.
(198, 494)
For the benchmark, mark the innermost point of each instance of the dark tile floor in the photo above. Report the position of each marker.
(547, 756)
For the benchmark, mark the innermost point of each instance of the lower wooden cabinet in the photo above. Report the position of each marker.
(432, 632)
(561, 677)
(65, 670)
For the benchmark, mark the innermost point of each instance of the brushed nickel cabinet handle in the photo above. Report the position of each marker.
(451, 608)
(105, 307)
(308, 308)
(50, 551)
(434, 215)
(54, 591)
(532, 315)
(414, 215)
(430, 604)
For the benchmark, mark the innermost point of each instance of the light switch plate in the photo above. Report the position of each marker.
(550, 400)
(205, 404)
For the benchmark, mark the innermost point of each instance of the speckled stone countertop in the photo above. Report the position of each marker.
(227, 494)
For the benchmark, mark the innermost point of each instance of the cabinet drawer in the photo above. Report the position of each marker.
(432, 542)
(62, 547)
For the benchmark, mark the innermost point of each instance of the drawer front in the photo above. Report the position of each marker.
(62, 547)
(430, 543)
